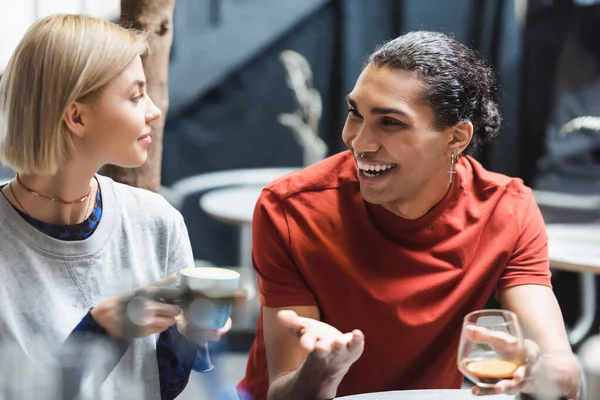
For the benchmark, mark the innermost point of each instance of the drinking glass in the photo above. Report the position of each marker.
(496, 357)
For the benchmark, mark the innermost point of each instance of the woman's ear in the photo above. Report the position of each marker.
(74, 120)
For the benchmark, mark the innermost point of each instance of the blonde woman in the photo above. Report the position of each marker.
(74, 245)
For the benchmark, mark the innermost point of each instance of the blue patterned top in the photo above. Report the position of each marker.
(176, 355)
(79, 231)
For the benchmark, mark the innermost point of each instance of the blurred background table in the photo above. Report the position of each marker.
(576, 248)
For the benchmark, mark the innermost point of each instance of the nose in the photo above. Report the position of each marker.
(364, 142)
(152, 111)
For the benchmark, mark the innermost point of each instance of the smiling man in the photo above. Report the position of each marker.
(368, 261)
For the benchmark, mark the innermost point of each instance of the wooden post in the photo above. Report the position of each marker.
(156, 18)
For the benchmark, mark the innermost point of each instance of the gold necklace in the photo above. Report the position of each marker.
(54, 199)
(87, 211)
(16, 198)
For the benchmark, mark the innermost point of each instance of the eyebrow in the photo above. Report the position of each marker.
(137, 83)
(379, 110)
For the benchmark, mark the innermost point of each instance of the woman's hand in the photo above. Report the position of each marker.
(143, 312)
(200, 336)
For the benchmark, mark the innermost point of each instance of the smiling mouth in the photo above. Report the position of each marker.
(375, 170)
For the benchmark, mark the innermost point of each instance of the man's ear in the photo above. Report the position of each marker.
(461, 135)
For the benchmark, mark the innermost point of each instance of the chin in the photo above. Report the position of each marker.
(379, 197)
(139, 159)
(371, 197)
(135, 162)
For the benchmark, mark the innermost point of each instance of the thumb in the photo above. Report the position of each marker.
(166, 294)
(290, 320)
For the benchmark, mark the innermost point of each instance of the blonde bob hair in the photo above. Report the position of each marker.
(61, 59)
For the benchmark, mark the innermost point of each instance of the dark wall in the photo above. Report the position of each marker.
(233, 122)
(234, 125)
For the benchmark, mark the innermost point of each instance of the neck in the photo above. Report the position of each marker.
(70, 183)
(422, 202)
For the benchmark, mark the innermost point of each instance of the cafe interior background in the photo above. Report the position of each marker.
(257, 87)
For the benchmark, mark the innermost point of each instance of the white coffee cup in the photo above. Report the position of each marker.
(210, 280)
(211, 293)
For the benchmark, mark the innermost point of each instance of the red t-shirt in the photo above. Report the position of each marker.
(407, 284)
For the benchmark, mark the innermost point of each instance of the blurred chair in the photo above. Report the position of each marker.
(211, 240)
(199, 184)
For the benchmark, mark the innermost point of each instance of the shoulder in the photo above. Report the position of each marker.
(144, 205)
(504, 192)
(328, 175)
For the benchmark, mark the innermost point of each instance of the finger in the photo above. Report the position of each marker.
(168, 294)
(342, 343)
(169, 280)
(158, 325)
(289, 319)
(344, 339)
(324, 344)
(139, 311)
(479, 391)
(479, 334)
(358, 339)
(308, 341)
(337, 346)
(215, 335)
(507, 345)
(166, 310)
(323, 348)
(508, 386)
(520, 373)
(226, 328)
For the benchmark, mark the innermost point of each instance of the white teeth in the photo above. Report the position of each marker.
(374, 167)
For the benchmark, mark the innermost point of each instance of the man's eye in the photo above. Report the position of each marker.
(391, 122)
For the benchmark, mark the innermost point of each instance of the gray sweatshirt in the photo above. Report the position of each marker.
(47, 285)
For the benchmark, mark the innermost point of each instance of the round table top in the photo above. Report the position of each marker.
(440, 394)
(234, 204)
(574, 247)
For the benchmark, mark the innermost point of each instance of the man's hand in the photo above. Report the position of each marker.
(330, 351)
(544, 375)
